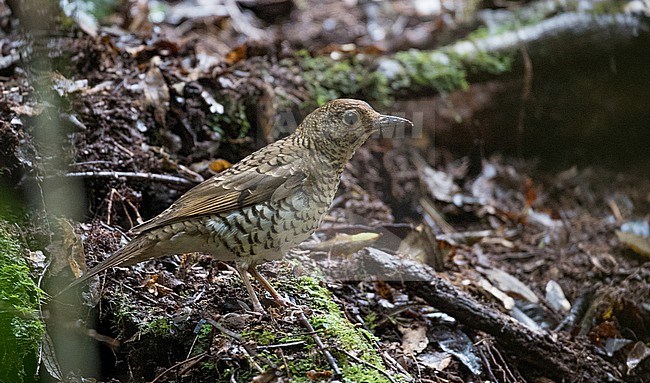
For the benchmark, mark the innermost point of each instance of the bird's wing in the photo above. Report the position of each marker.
(236, 188)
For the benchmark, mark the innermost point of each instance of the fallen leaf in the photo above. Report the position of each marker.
(638, 243)
(27, 110)
(343, 244)
(315, 376)
(67, 251)
(237, 54)
(638, 353)
(614, 344)
(507, 302)
(156, 91)
(414, 339)
(458, 344)
(509, 284)
(219, 165)
(437, 361)
(556, 298)
(64, 86)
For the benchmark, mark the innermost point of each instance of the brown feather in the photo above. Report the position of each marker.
(236, 188)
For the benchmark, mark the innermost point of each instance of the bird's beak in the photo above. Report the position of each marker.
(392, 127)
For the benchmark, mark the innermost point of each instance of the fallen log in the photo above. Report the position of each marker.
(551, 354)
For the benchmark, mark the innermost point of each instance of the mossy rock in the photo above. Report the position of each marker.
(20, 326)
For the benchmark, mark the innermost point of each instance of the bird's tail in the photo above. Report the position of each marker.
(134, 252)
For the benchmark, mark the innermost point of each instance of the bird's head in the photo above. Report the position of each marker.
(339, 127)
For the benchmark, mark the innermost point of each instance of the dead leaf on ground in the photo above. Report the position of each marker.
(414, 339)
(437, 361)
(638, 353)
(219, 165)
(68, 250)
(636, 242)
(343, 244)
(315, 376)
(237, 54)
(556, 298)
(64, 86)
(508, 283)
(458, 344)
(156, 91)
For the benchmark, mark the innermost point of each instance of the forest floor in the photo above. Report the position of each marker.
(119, 126)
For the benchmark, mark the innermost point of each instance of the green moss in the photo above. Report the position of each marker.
(340, 334)
(233, 122)
(426, 70)
(351, 76)
(483, 62)
(203, 339)
(131, 315)
(608, 7)
(125, 310)
(362, 77)
(20, 326)
(261, 335)
(371, 320)
(160, 327)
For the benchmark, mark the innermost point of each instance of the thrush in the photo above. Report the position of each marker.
(264, 205)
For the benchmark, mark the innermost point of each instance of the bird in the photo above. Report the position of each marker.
(262, 206)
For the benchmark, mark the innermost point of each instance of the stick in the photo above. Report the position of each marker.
(164, 178)
(319, 343)
(198, 356)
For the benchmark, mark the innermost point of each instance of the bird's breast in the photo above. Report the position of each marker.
(259, 232)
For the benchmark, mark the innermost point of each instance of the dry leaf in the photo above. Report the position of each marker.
(343, 244)
(638, 353)
(414, 339)
(237, 54)
(638, 243)
(509, 284)
(156, 92)
(219, 165)
(437, 361)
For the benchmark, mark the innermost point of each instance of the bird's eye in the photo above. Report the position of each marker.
(351, 117)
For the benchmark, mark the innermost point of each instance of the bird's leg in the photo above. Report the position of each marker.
(276, 297)
(257, 306)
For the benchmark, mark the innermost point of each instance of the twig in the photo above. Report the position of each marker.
(198, 356)
(110, 206)
(240, 24)
(164, 178)
(282, 345)
(392, 362)
(319, 343)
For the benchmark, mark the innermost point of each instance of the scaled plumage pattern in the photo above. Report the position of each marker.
(265, 204)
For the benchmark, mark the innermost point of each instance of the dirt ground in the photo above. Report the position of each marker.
(116, 127)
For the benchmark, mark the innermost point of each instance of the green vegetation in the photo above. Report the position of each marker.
(351, 76)
(20, 326)
(159, 327)
(233, 122)
(342, 338)
(332, 325)
(426, 70)
(382, 80)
